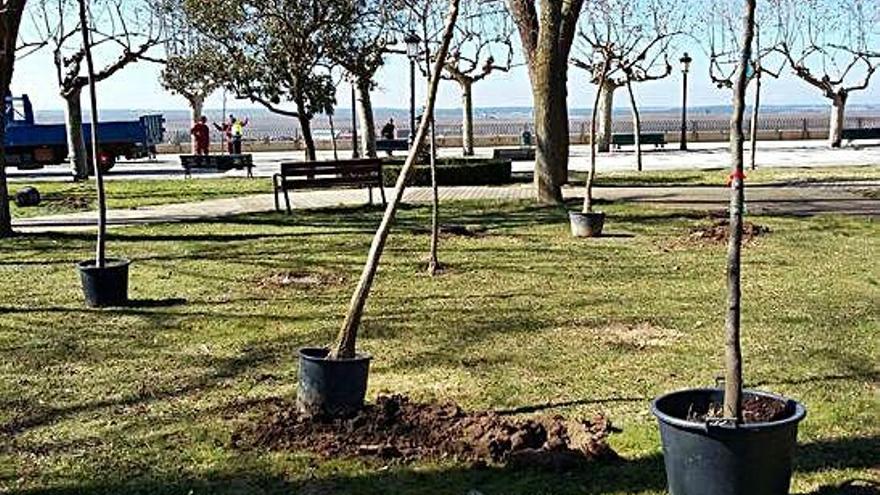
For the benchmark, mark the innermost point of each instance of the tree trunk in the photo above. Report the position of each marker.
(346, 346)
(196, 105)
(365, 116)
(637, 124)
(606, 110)
(733, 349)
(591, 175)
(5, 214)
(753, 136)
(467, 122)
(76, 144)
(305, 125)
(835, 129)
(333, 138)
(433, 258)
(100, 249)
(549, 91)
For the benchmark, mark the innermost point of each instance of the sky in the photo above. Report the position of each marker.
(138, 88)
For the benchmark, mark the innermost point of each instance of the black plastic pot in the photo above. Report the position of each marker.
(706, 458)
(331, 387)
(586, 224)
(105, 286)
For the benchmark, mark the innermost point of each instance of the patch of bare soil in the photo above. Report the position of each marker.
(298, 280)
(71, 201)
(396, 428)
(642, 335)
(452, 230)
(756, 409)
(718, 234)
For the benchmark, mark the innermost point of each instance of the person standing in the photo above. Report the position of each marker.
(237, 131)
(226, 130)
(388, 130)
(202, 136)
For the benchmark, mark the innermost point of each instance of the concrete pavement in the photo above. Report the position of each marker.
(700, 156)
(780, 200)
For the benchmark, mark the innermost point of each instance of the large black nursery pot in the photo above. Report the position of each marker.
(331, 387)
(713, 458)
(586, 224)
(105, 286)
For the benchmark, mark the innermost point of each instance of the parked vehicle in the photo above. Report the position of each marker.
(30, 145)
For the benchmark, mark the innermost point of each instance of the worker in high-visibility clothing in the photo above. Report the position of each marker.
(237, 131)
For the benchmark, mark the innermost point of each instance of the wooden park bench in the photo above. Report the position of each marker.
(391, 145)
(521, 154)
(327, 175)
(658, 139)
(218, 163)
(850, 135)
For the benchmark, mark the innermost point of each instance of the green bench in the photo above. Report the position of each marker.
(658, 139)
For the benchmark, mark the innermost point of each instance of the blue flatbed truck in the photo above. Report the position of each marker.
(29, 145)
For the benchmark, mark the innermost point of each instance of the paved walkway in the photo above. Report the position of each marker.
(761, 199)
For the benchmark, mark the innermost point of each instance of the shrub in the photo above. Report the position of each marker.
(453, 172)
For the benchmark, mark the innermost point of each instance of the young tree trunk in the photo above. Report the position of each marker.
(365, 116)
(333, 138)
(835, 129)
(433, 259)
(591, 175)
(637, 124)
(606, 110)
(305, 125)
(467, 122)
(346, 346)
(100, 250)
(549, 90)
(733, 349)
(196, 105)
(5, 214)
(753, 136)
(76, 144)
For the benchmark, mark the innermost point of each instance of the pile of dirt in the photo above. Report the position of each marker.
(298, 280)
(71, 201)
(396, 428)
(453, 230)
(755, 409)
(718, 233)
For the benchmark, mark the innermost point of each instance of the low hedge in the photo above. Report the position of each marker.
(452, 172)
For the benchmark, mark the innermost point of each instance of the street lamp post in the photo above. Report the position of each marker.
(685, 67)
(413, 45)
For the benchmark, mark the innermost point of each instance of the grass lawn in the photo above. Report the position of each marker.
(69, 197)
(139, 400)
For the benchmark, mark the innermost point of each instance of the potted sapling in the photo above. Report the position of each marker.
(587, 222)
(104, 281)
(333, 381)
(730, 441)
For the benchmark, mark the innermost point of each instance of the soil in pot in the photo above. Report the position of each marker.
(396, 427)
(755, 409)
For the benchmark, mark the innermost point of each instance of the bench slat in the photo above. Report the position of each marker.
(329, 181)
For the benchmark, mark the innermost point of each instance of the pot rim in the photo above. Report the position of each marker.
(798, 414)
(303, 353)
(90, 264)
(582, 214)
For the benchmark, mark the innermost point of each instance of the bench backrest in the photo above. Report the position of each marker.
(329, 173)
(864, 133)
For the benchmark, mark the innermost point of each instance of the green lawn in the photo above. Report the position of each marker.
(68, 197)
(770, 175)
(140, 400)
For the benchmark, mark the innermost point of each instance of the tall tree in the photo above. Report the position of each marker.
(10, 19)
(189, 62)
(123, 32)
(361, 53)
(547, 29)
(733, 350)
(832, 45)
(636, 37)
(276, 51)
(345, 349)
(484, 31)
